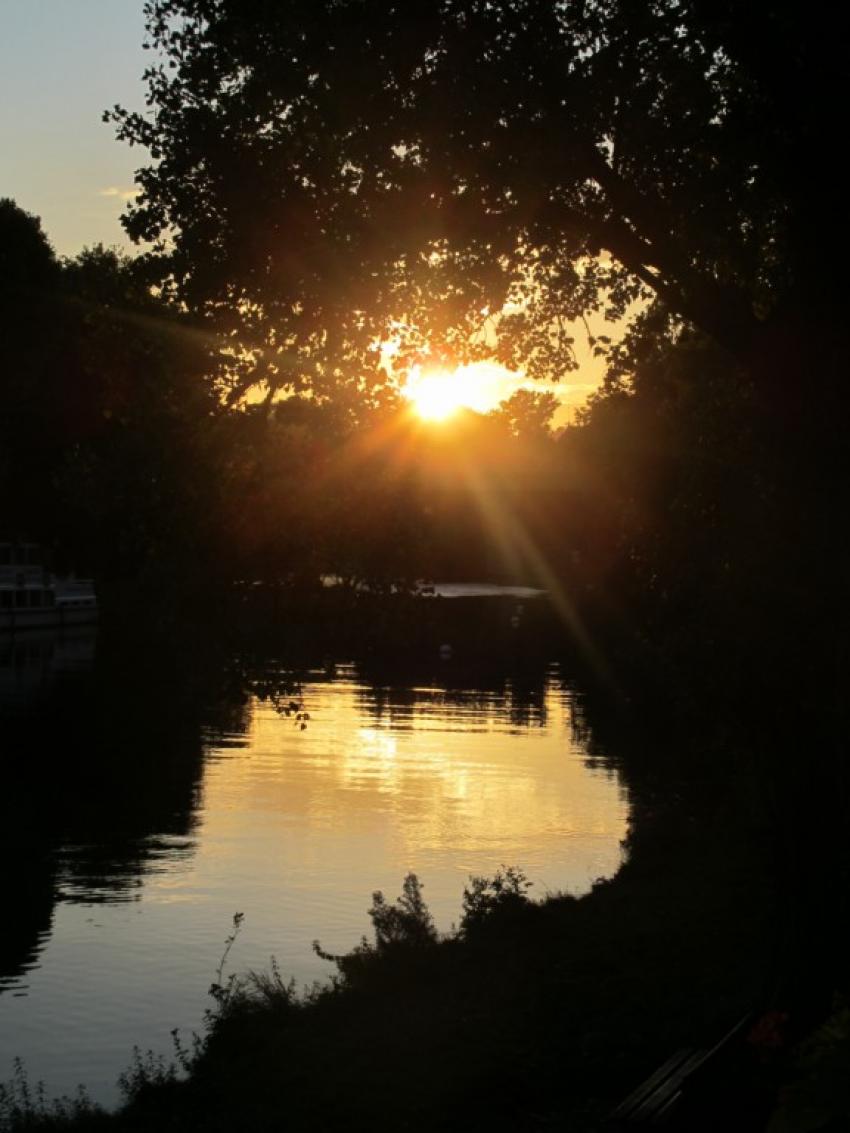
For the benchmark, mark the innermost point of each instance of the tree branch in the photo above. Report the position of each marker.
(722, 310)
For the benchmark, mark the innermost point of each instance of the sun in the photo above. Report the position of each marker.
(438, 394)
(435, 394)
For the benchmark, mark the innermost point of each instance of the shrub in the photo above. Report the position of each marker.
(24, 1107)
(407, 922)
(486, 897)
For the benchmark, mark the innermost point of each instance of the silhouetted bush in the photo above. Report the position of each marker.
(499, 896)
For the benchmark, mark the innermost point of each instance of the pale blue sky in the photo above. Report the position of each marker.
(62, 63)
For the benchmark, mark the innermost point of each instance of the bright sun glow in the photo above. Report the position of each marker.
(437, 394)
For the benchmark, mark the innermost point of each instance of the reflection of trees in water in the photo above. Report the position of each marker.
(27, 879)
(598, 754)
(643, 751)
(101, 771)
(464, 696)
(682, 772)
(30, 662)
(269, 680)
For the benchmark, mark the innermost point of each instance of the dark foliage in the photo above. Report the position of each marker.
(105, 436)
(331, 172)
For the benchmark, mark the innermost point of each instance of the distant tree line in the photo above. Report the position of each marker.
(105, 421)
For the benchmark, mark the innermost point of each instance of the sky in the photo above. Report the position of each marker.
(62, 64)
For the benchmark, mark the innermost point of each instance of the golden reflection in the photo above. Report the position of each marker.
(435, 779)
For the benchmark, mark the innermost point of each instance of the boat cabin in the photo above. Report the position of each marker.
(31, 596)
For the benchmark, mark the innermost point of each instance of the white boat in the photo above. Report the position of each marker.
(32, 597)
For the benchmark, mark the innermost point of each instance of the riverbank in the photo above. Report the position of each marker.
(543, 1018)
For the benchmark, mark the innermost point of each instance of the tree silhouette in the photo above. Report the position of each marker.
(528, 413)
(328, 174)
(27, 261)
(106, 427)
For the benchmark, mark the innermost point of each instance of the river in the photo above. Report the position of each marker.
(138, 821)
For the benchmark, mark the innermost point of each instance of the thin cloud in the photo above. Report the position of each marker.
(121, 194)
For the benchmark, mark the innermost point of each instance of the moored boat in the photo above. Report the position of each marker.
(32, 597)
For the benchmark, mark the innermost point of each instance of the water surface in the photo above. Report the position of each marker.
(156, 833)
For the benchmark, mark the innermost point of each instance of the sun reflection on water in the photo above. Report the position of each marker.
(437, 774)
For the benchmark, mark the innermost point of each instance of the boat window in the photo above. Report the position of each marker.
(20, 598)
(5, 599)
(5, 554)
